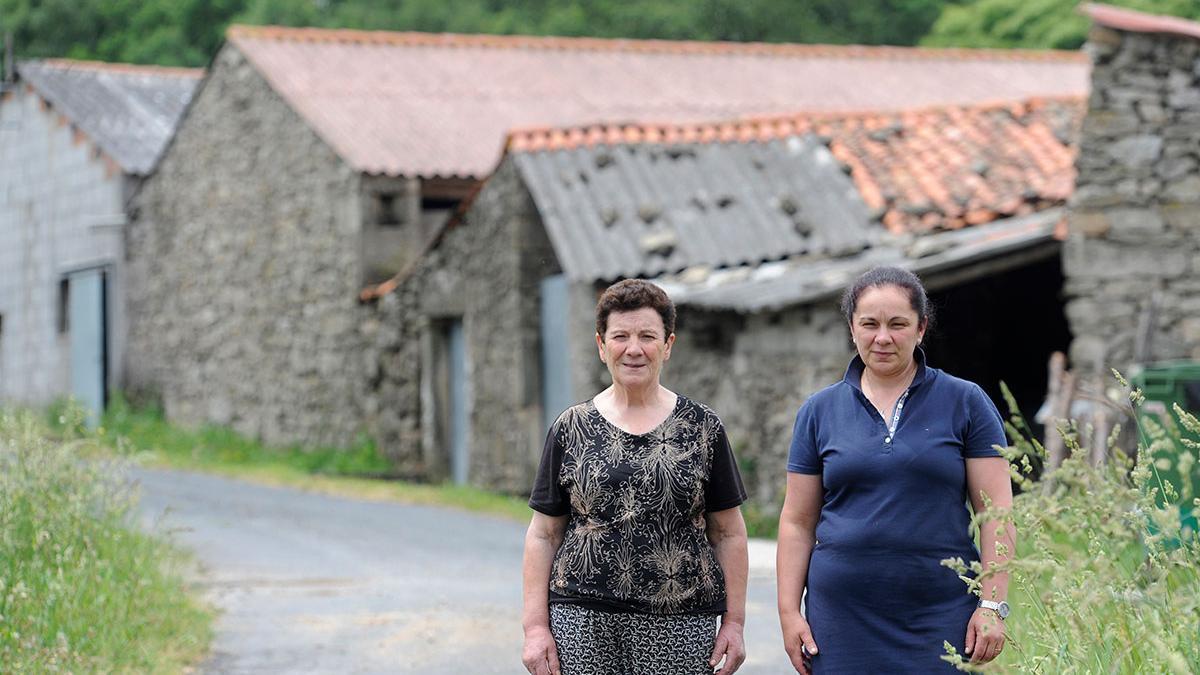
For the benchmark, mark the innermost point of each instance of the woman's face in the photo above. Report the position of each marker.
(634, 347)
(885, 329)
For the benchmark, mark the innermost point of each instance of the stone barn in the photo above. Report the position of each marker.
(1132, 257)
(754, 227)
(76, 138)
(313, 163)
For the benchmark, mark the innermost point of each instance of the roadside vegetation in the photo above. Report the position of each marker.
(1107, 574)
(82, 588)
(361, 472)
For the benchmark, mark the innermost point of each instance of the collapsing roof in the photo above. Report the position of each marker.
(645, 200)
(129, 112)
(777, 285)
(439, 105)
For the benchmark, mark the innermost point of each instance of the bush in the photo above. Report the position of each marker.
(81, 589)
(1105, 579)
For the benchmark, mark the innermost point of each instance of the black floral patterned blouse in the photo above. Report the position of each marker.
(635, 540)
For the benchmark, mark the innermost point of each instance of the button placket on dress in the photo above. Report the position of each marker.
(891, 429)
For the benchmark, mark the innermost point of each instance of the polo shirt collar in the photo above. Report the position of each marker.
(854, 371)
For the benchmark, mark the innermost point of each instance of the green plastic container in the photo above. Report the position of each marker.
(1164, 384)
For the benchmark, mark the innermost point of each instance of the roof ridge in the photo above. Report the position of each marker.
(743, 129)
(533, 42)
(1122, 18)
(119, 68)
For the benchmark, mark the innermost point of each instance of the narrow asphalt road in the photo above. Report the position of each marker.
(309, 583)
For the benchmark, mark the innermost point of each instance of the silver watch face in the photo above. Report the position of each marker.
(1000, 608)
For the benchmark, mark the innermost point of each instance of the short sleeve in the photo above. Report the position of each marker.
(548, 495)
(724, 489)
(803, 455)
(985, 427)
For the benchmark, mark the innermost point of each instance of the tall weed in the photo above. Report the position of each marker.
(1105, 579)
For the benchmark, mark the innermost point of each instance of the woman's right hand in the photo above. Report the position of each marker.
(539, 655)
(799, 643)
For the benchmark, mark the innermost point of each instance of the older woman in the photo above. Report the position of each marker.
(879, 472)
(637, 545)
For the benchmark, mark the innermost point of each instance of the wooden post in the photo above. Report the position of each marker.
(1060, 390)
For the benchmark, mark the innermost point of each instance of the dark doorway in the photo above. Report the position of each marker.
(1002, 327)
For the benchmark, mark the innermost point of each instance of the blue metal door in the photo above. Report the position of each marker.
(88, 340)
(555, 359)
(456, 358)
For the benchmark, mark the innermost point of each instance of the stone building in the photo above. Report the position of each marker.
(315, 162)
(754, 227)
(1132, 259)
(76, 138)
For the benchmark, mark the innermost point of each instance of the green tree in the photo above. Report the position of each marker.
(1050, 24)
(188, 32)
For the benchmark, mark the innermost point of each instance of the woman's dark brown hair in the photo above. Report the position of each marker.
(630, 295)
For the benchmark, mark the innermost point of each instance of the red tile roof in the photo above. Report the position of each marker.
(440, 104)
(932, 168)
(1140, 22)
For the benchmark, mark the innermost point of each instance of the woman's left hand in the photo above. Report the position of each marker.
(730, 645)
(985, 636)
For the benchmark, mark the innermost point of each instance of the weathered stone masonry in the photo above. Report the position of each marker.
(1132, 259)
(244, 262)
(485, 273)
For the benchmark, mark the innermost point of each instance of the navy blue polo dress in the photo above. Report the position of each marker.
(893, 507)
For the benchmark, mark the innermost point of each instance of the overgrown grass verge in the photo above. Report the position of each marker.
(81, 588)
(145, 436)
(1107, 576)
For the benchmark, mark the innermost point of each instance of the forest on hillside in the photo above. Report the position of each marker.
(187, 32)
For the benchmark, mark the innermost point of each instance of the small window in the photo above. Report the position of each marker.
(439, 203)
(388, 209)
(64, 305)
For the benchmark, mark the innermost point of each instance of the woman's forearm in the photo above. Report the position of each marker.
(795, 546)
(729, 546)
(539, 558)
(994, 550)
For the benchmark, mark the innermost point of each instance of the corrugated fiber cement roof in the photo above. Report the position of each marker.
(129, 111)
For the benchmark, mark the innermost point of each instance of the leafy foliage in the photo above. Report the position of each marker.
(187, 32)
(1043, 24)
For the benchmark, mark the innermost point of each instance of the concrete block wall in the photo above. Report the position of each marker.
(61, 208)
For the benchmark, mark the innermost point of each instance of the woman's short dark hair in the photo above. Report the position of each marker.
(630, 295)
(890, 276)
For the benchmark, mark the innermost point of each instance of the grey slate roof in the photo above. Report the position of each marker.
(130, 112)
(787, 283)
(642, 210)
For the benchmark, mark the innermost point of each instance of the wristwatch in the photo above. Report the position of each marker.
(1000, 608)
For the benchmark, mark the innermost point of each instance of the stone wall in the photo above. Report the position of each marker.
(756, 371)
(244, 259)
(486, 273)
(1132, 259)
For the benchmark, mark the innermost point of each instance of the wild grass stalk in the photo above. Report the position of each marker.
(82, 589)
(1106, 575)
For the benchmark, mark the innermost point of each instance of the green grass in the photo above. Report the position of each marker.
(360, 472)
(82, 589)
